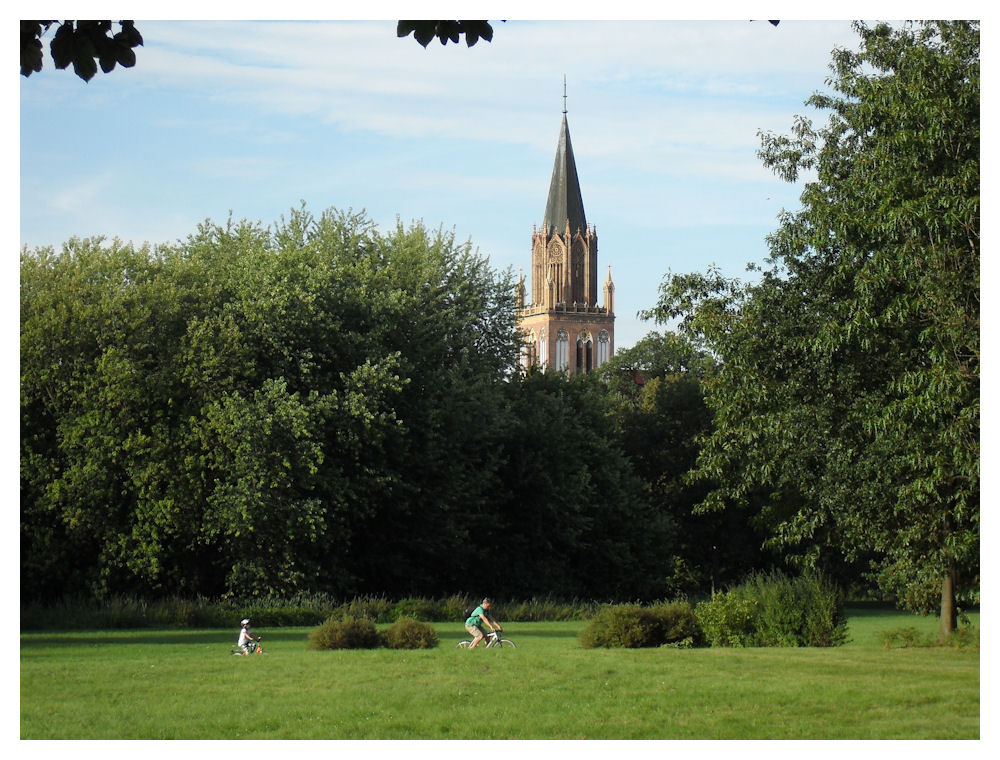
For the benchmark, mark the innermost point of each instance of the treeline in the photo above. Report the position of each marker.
(318, 406)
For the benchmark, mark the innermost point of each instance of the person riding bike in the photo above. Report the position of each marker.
(474, 622)
(247, 637)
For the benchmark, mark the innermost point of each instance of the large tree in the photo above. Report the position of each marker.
(274, 409)
(849, 391)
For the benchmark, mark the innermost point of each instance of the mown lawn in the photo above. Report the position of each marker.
(185, 685)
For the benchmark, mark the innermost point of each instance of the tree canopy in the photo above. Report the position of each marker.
(849, 388)
(311, 406)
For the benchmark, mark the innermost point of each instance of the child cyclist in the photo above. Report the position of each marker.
(247, 637)
(474, 622)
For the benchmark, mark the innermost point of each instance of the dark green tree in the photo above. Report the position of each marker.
(573, 519)
(849, 387)
(659, 410)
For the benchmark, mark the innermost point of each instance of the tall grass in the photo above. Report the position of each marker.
(122, 612)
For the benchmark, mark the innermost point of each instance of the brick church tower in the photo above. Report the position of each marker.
(564, 326)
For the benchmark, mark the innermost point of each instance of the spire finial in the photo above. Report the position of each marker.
(564, 93)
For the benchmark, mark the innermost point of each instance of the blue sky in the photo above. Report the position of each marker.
(252, 118)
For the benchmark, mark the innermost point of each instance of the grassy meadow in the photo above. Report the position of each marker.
(185, 685)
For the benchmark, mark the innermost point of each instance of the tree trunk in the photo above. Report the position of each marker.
(949, 615)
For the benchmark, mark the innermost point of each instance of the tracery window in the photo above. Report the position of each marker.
(562, 351)
(603, 347)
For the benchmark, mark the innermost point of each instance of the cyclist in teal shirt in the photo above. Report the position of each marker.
(480, 615)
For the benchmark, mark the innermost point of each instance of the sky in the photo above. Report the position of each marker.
(251, 119)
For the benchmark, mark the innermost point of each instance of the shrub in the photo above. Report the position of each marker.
(908, 636)
(728, 620)
(774, 610)
(453, 608)
(376, 608)
(416, 609)
(633, 626)
(964, 637)
(344, 633)
(407, 633)
(678, 623)
(536, 610)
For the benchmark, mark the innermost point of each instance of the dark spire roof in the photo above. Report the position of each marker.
(565, 200)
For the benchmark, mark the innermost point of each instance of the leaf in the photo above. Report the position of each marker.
(84, 65)
(61, 47)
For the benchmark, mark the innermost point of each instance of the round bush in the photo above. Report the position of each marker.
(345, 633)
(408, 633)
(678, 624)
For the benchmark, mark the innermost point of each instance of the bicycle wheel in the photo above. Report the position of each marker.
(505, 643)
(463, 644)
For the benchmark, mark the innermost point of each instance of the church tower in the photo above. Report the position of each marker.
(564, 326)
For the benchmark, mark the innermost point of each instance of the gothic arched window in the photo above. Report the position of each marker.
(562, 351)
(603, 347)
(529, 352)
(584, 353)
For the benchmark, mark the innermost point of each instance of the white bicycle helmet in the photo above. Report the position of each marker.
(245, 621)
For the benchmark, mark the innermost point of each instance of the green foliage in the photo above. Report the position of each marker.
(908, 636)
(846, 408)
(658, 409)
(417, 609)
(407, 633)
(538, 609)
(376, 608)
(678, 623)
(633, 626)
(772, 609)
(305, 609)
(729, 620)
(576, 516)
(344, 633)
(259, 411)
(963, 637)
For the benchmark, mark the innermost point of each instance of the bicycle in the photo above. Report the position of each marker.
(493, 639)
(256, 649)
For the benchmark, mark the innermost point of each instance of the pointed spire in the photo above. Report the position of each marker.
(565, 201)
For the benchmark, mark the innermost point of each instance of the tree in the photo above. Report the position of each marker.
(573, 519)
(849, 387)
(659, 411)
(258, 410)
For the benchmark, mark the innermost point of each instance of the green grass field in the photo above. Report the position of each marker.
(185, 685)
